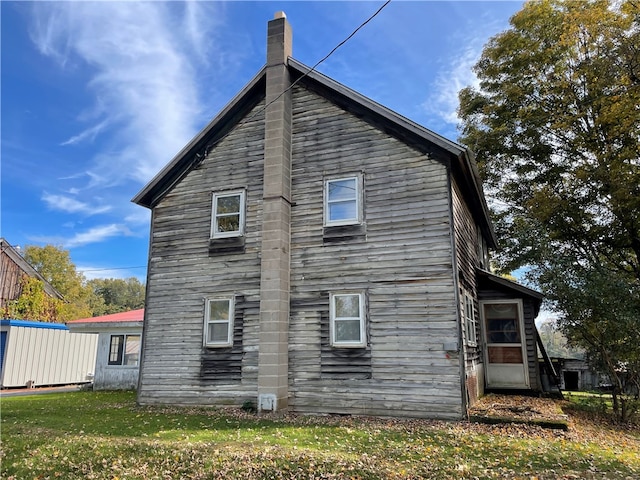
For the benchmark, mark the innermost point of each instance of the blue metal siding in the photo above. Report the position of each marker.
(3, 341)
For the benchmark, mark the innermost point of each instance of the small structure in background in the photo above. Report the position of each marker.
(36, 354)
(577, 375)
(12, 270)
(118, 360)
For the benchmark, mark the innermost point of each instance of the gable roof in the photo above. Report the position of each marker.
(514, 287)
(457, 157)
(26, 267)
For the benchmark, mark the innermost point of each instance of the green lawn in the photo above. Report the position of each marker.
(104, 435)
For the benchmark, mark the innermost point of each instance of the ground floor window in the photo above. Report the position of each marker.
(218, 322)
(124, 350)
(347, 325)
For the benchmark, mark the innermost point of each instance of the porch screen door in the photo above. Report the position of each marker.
(505, 349)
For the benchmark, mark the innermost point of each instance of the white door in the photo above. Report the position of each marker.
(505, 347)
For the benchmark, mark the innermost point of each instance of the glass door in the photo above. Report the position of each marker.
(505, 349)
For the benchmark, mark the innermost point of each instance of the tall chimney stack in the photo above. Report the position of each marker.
(273, 356)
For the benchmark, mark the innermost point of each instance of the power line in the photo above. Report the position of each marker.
(330, 53)
(107, 269)
(210, 146)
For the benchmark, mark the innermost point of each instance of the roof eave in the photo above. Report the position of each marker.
(460, 153)
(376, 108)
(511, 285)
(171, 174)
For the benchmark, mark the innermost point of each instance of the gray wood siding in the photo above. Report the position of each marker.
(403, 261)
(176, 368)
(466, 246)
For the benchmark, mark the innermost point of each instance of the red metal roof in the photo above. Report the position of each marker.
(130, 316)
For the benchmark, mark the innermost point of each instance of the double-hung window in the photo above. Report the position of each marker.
(218, 322)
(469, 320)
(347, 320)
(343, 201)
(124, 350)
(227, 218)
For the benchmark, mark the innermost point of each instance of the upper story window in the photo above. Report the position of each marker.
(347, 317)
(343, 201)
(124, 350)
(218, 322)
(227, 219)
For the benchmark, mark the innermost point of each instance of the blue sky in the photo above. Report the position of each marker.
(98, 96)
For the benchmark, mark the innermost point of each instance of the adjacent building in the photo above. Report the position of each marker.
(118, 350)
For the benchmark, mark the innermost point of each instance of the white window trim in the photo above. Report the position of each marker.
(208, 321)
(361, 318)
(470, 321)
(214, 204)
(359, 191)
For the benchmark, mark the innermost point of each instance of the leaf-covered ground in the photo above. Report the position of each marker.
(104, 435)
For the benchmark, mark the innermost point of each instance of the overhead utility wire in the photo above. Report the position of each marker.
(330, 53)
(107, 269)
(208, 147)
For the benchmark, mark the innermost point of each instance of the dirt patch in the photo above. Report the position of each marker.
(544, 412)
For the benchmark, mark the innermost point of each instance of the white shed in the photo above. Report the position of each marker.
(35, 354)
(119, 341)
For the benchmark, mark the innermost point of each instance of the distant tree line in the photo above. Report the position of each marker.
(81, 298)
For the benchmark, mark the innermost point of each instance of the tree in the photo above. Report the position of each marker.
(119, 295)
(55, 265)
(555, 343)
(33, 303)
(555, 126)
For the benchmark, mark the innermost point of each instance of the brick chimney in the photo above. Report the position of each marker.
(273, 357)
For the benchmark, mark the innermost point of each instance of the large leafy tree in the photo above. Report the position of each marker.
(55, 265)
(118, 295)
(555, 124)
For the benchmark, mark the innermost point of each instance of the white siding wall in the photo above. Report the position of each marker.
(47, 356)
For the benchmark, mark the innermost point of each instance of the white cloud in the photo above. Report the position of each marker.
(71, 205)
(142, 74)
(89, 133)
(95, 235)
(443, 99)
(92, 272)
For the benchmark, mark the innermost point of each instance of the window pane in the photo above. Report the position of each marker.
(347, 330)
(219, 310)
(115, 350)
(229, 223)
(501, 310)
(230, 204)
(218, 332)
(343, 211)
(132, 350)
(502, 331)
(347, 306)
(342, 189)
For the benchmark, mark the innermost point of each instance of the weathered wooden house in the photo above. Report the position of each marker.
(117, 360)
(313, 250)
(13, 268)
